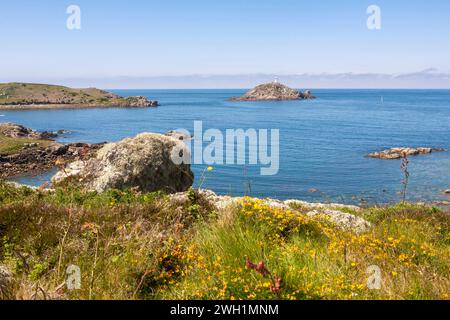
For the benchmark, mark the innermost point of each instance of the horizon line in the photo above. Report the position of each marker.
(310, 88)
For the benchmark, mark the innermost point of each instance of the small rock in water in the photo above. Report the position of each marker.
(397, 153)
(442, 203)
(140, 101)
(447, 191)
(62, 131)
(313, 190)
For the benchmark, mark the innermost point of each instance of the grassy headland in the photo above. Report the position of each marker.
(130, 245)
(45, 96)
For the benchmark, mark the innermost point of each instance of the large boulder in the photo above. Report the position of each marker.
(144, 161)
(273, 91)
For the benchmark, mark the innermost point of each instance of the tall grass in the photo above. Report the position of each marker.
(131, 245)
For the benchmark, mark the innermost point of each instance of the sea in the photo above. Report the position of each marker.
(322, 144)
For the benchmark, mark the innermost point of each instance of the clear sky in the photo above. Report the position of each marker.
(138, 38)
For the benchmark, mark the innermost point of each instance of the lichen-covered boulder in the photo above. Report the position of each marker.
(144, 162)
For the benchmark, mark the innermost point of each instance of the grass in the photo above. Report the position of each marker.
(130, 245)
(10, 145)
(44, 94)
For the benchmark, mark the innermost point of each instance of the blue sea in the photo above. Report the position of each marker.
(322, 142)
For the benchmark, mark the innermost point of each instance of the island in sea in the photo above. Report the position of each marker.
(274, 91)
(44, 96)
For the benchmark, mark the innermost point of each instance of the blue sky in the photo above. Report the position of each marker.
(141, 39)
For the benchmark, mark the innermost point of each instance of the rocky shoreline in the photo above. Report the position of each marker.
(43, 106)
(142, 162)
(41, 153)
(37, 160)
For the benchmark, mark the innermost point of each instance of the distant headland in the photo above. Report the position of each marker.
(274, 91)
(44, 96)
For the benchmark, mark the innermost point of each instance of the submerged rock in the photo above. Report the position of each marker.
(273, 91)
(397, 153)
(143, 162)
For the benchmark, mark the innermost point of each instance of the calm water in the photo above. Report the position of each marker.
(322, 142)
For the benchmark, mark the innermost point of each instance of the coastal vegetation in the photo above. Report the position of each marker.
(133, 245)
(10, 145)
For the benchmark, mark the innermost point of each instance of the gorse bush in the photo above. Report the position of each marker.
(314, 259)
(132, 245)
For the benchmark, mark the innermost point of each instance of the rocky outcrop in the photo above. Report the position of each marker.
(397, 153)
(143, 162)
(320, 206)
(36, 159)
(6, 283)
(14, 130)
(343, 220)
(273, 91)
(308, 95)
(38, 152)
(139, 102)
(441, 203)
